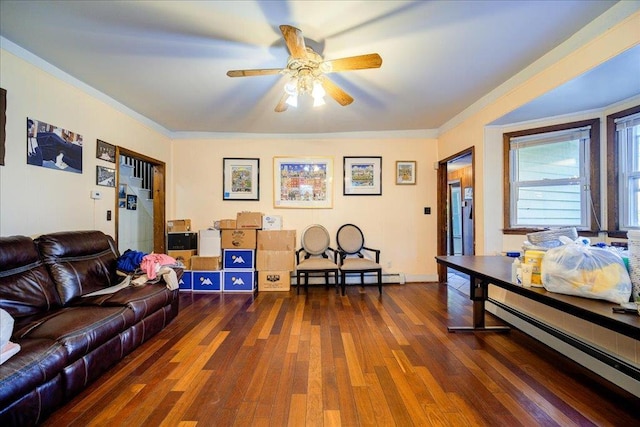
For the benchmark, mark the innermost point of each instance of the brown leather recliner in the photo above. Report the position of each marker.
(68, 339)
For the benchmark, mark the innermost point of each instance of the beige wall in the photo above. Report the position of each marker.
(557, 67)
(394, 222)
(36, 200)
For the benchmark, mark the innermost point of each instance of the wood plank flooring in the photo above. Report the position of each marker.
(320, 359)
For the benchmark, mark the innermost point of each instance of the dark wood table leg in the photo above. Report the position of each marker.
(479, 294)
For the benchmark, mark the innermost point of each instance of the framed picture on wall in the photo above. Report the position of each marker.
(53, 147)
(240, 179)
(362, 176)
(303, 182)
(132, 202)
(105, 151)
(105, 176)
(405, 172)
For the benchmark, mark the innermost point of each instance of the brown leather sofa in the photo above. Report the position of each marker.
(68, 340)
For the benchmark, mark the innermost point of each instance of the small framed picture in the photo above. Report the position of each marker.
(105, 151)
(405, 172)
(122, 196)
(105, 176)
(241, 179)
(132, 202)
(362, 176)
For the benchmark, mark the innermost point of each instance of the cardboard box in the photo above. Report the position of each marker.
(184, 256)
(205, 263)
(207, 281)
(274, 281)
(238, 259)
(275, 260)
(182, 241)
(276, 240)
(177, 225)
(272, 222)
(239, 281)
(238, 239)
(225, 224)
(251, 220)
(209, 243)
(185, 282)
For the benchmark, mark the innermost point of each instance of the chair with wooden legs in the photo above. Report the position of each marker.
(316, 257)
(352, 259)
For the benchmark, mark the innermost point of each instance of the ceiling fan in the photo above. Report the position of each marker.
(307, 70)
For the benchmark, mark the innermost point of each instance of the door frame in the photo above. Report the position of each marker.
(442, 199)
(159, 198)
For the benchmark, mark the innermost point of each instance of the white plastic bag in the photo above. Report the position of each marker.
(577, 268)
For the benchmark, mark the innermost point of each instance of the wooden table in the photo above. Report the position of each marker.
(496, 270)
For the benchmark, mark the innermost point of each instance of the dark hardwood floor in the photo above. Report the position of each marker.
(277, 359)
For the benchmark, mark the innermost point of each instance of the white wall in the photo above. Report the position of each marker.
(36, 200)
(493, 161)
(394, 222)
(604, 38)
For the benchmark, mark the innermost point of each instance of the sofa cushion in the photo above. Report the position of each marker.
(39, 361)
(78, 329)
(25, 285)
(80, 262)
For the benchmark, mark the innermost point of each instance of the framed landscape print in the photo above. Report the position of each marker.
(362, 176)
(241, 179)
(303, 182)
(405, 172)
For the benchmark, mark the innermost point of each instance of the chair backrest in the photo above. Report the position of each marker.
(315, 239)
(350, 239)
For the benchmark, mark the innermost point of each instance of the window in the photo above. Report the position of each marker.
(552, 179)
(623, 134)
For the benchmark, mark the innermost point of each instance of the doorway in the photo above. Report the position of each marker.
(140, 211)
(456, 225)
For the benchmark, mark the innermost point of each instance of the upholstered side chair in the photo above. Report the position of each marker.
(316, 257)
(352, 251)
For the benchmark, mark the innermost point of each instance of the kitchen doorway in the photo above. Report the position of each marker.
(456, 226)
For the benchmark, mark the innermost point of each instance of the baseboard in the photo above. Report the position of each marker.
(369, 279)
(607, 371)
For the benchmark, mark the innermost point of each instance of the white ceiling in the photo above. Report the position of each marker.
(167, 60)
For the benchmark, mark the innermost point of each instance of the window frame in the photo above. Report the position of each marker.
(613, 174)
(594, 178)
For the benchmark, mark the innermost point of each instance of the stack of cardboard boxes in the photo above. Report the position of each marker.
(253, 251)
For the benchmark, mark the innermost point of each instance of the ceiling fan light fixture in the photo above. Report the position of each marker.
(318, 94)
(292, 100)
(291, 87)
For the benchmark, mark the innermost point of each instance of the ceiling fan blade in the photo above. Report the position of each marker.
(342, 97)
(371, 60)
(251, 73)
(282, 104)
(294, 40)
